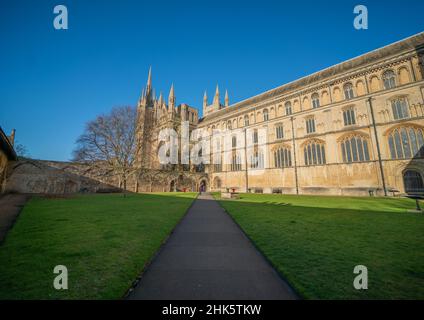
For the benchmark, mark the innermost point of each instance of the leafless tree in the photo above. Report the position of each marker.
(109, 143)
(21, 150)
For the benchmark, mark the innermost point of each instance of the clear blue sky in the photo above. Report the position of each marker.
(52, 82)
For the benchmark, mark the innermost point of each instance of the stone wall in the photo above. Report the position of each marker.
(51, 177)
(56, 177)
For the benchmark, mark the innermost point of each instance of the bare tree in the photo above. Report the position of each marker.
(109, 143)
(21, 150)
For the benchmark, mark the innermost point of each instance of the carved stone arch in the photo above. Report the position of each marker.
(217, 183)
(400, 168)
(337, 94)
(283, 145)
(402, 125)
(280, 110)
(374, 83)
(296, 106)
(351, 134)
(26, 163)
(412, 178)
(404, 75)
(384, 75)
(203, 184)
(305, 102)
(312, 140)
(325, 97)
(360, 88)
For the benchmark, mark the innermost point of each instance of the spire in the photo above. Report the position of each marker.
(216, 98)
(148, 91)
(227, 100)
(171, 99)
(205, 100)
(160, 99)
(149, 78)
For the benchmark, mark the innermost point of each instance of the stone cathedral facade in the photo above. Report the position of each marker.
(355, 128)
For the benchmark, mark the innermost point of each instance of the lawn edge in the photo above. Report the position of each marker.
(154, 256)
(274, 267)
(15, 220)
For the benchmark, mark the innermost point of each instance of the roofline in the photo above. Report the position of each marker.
(7, 146)
(335, 66)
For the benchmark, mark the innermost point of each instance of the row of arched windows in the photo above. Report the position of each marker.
(400, 110)
(389, 79)
(404, 142)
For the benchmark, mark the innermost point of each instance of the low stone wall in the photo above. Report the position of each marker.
(56, 177)
(51, 177)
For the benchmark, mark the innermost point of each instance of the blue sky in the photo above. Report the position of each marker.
(52, 82)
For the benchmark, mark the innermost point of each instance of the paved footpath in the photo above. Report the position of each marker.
(208, 257)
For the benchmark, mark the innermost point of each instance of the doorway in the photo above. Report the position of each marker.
(413, 182)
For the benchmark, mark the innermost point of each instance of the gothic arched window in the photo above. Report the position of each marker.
(236, 163)
(257, 160)
(310, 125)
(266, 115)
(413, 181)
(348, 91)
(400, 108)
(355, 149)
(314, 153)
(288, 108)
(389, 79)
(246, 120)
(279, 131)
(315, 100)
(406, 142)
(349, 116)
(282, 157)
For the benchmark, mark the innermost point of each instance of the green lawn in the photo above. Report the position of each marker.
(315, 242)
(103, 240)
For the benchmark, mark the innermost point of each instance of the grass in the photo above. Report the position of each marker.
(315, 243)
(104, 241)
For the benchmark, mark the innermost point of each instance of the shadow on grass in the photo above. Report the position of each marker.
(316, 245)
(104, 240)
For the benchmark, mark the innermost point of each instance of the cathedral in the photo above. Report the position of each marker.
(355, 128)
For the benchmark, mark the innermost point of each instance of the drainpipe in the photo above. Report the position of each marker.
(294, 157)
(378, 146)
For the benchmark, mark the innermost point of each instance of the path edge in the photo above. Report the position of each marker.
(154, 256)
(279, 274)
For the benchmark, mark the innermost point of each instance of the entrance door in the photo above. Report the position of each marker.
(413, 182)
(203, 186)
